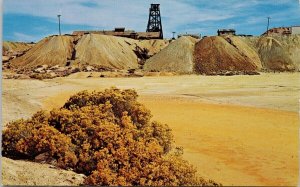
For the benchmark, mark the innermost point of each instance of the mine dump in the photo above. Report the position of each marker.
(176, 57)
(56, 56)
(122, 107)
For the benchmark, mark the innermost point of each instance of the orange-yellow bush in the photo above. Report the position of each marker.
(106, 135)
(29, 138)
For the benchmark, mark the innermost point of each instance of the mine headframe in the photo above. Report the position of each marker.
(154, 22)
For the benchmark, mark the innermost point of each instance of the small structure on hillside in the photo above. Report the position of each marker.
(121, 32)
(120, 29)
(282, 31)
(279, 31)
(225, 32)
(245, 35)
(295, 29)
(197, 36)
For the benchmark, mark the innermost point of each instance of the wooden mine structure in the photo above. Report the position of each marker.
(282, 31)
(224, 32)
(154, 21)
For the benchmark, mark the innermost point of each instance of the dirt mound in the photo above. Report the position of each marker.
(53, 50)
(279, 53)
(245, 50)
(176, 57)
(23, 173)
(103, 51)
(107, 51)
(291, 44)
(115, 52)
(14, 47)
(153, 46)
(11, 50)
(216, 54)
(273, 55)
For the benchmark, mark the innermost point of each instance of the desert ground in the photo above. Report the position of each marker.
(237, 130)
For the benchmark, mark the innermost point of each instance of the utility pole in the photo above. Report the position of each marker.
(268, 25)
(173, 35)
(59, 24)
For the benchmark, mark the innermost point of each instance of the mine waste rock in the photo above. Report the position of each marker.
(245, 50)
(214, 55)
(227, 55)
(107, 52)
(274, 56)
(11, 50)
(15, 48)
(176, 57)
(277, 53)
(53, 50)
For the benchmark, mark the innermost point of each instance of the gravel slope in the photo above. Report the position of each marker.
(177, 57)
(25, 173)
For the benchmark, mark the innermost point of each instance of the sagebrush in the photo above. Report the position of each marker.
(106, 135)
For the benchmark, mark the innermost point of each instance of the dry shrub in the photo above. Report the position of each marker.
(41, 76)
(121, 100)
(29, 138)
(106, 135)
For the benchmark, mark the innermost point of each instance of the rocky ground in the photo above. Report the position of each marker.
(26, 173)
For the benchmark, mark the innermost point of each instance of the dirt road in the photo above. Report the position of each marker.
(240, 130)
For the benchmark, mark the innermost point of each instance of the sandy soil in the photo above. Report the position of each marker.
(29, 173)
(234, 145)
(240, 130)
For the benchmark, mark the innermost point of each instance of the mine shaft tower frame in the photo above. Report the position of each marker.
(154, 22)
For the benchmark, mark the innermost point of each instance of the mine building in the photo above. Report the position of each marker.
(225, 32)
(121, 32)
(295, 29)
(197, 36)
(245, 35)
(282, 31)
(279, 31)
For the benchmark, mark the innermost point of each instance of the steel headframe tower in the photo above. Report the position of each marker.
(154, 22)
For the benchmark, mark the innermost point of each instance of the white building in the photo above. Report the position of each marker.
(295, 29)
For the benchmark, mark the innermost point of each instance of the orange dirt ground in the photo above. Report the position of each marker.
(232, 144)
